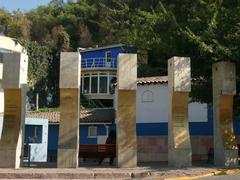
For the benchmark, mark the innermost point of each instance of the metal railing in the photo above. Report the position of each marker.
(99, 63)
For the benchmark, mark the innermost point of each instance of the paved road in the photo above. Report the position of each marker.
(222, 177)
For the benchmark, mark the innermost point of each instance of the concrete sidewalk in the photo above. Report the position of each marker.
(89, 171)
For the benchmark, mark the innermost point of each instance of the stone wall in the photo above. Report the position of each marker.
(154, 148)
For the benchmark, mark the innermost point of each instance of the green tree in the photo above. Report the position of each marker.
(38, 69)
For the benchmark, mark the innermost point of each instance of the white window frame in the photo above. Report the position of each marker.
(98, 75)
(101, 75)
(83, 76)
(89, 130)
(106, 56)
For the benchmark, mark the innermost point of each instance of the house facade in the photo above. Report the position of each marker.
(152, 122)
(36, 134)
(98, 72)
(95, 124)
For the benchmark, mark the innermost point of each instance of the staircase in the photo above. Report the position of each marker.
(90, 103)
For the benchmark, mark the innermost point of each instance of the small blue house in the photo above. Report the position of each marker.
(95, 124)
(36, 134)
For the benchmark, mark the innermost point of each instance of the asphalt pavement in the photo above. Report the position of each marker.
(222, 177)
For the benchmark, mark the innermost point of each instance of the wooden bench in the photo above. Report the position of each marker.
(97, 150)
(211, 154)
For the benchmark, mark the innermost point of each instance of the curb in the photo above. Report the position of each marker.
(214, 173)
(81, 175)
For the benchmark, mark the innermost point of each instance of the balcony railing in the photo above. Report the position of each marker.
(99, 63)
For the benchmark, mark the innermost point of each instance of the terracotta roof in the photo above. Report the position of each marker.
(53, 117)
(103, 115)
(152, 80)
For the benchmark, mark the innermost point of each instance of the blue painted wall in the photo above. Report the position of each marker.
(84, 139)
(88, 57)
(101, 53)
(143, 129)
(53, 136)
(196, 128)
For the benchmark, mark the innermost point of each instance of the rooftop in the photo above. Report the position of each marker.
(99, 48)
(152, 80)
(103, 115)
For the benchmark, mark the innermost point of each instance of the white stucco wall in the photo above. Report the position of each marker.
(39, 150)
(152, 105)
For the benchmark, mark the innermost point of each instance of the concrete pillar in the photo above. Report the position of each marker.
(1, 89)
(15, 88)
(68, 141)
(224, 88)
(179, 86)
(126, 111)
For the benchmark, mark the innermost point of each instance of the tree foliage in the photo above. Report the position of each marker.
(38, 69)
(205, 30)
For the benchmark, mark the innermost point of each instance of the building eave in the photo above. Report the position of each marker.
(103, 47)
(98, 69)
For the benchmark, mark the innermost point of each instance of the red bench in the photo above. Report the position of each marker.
(97, 150)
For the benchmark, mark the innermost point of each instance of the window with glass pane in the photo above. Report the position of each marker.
(108, 56)
(86, 85)
(1, 57)
(94, 85)
(112, 81)
(33, 133)
(92, 131)
(103, 84)
(81, 85)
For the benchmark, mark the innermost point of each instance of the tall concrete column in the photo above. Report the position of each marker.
(15, 88)
(224, 88)
(68, 141)
(126, 111)
(179, 86)
(1, 89)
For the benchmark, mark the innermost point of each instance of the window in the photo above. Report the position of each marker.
(97, 83)
(108, 56)
(147, 96)
(112, 81)
(94, 83)
(1, 57)
(86, 83)
(103, 83)
(92, 131)
(33, 133)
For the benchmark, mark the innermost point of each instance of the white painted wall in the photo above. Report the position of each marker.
(39, 150)
(152, 105)
(152, 109)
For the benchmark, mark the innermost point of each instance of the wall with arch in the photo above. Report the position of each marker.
(152, 105)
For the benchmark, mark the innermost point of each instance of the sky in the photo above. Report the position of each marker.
(23, 5)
